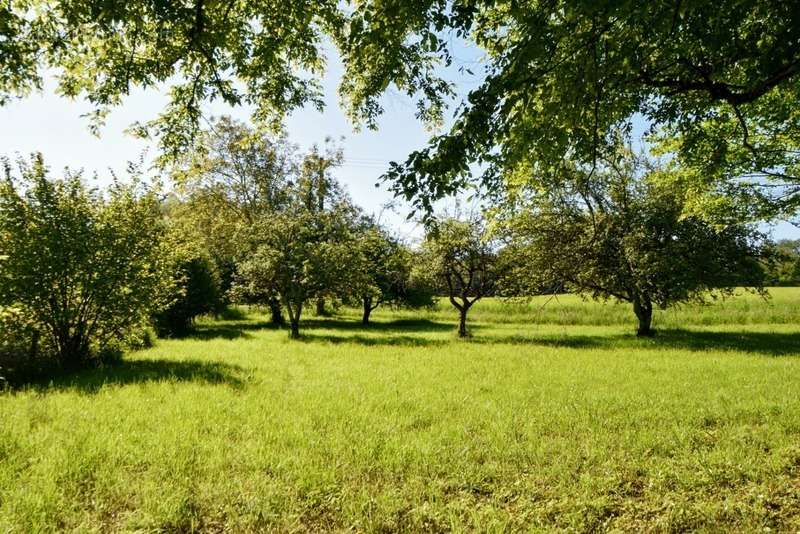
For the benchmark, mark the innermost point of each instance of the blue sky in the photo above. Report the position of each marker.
(53, 125)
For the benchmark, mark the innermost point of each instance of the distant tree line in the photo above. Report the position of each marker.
(86, 273)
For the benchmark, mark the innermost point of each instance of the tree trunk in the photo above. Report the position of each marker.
(294, 332)
(643, 309)
(294, 318)
(35, 344)
(276, 312)
(462, 322)
(72, 353)
(367, 310)
(320, 306)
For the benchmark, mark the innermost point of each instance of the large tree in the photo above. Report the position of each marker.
(266, 55)
(559, 75)
(623, 235)
(233, 176)
(720, 78)
(318, 190)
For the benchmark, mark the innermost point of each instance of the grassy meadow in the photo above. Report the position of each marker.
(552, 416)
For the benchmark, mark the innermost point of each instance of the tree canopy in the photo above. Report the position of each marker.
(460, 261)
(624, 235)
(719, 78)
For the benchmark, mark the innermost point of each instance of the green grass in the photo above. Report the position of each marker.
(553, 416)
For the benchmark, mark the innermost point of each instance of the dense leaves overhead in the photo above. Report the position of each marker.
(265, 54)
(718, 77)
(562, 75)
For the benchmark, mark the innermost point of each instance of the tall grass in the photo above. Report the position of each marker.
(779, 307)
(549, 417)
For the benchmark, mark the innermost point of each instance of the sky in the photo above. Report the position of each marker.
(47, 123)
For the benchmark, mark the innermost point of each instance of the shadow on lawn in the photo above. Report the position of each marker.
(766, 343)
(399, 325)
(404, 332)
(144, 371)
(384, 340)
(227, 330)
(390, 333)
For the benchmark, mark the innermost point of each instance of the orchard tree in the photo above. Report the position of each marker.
(89, 268)
(784, 269)
(300, 255)
(317, 189)
(624, 235)
(239, 169)
(459, 259)
(385, 268)
(234, 175)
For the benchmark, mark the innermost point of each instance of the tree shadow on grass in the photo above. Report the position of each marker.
(399, 332)
(399, 325)
(765, 343)
(226, 330)
(145, 371)
(241, 329)
(382, 340)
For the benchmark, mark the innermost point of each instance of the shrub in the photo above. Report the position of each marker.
(88, 269)
(23, 351)
(198, 292)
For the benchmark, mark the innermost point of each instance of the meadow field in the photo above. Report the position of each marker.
(551, 416)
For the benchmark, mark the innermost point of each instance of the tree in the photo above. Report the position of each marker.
(623, 235)
(88, 268)
(259, 54)
(232, 177)
(559, 76)
(784, 270)
(722, 78)
(317, 188)
(300, 255)
(460, 260)
(385, 269)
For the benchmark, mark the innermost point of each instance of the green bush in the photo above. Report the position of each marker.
(88, 268)
(23, 350)
(198, 292)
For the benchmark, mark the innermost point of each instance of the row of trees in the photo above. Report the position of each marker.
(617, 230)
(283, 229)
(83, 272)
(86, 272)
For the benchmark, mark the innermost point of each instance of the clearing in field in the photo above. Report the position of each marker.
(550, 416)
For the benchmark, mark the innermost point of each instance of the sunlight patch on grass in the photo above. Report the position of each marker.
(530, 424)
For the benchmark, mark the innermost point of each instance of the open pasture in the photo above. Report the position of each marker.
(551, 416)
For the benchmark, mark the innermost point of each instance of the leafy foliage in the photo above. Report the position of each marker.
(197, 292)
(385, 271)
(562, 77)
(623, 235)
(299, 256)
(458, 259)
(85, 268)
(719, 79)
(784, 269)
